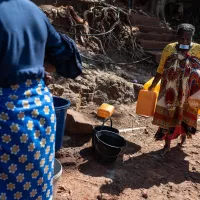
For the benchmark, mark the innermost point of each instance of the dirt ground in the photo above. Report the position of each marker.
(139, 172)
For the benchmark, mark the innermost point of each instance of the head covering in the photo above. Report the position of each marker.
(186, 27)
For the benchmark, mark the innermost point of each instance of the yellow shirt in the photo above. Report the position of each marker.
(171, 48)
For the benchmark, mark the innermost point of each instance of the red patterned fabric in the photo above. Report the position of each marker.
(181, 78)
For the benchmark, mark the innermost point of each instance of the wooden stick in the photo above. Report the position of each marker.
(132, 129)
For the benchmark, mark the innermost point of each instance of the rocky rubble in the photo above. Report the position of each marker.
(95, 86)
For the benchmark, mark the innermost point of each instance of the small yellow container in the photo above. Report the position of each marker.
(148, 84)
(105, 110)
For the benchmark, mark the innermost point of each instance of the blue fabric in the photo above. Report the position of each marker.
(66, 58)
(25, 35)
(27, 136)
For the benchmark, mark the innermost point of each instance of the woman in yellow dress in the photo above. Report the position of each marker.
(179, 71)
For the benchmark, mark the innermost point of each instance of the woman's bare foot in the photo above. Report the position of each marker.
(183, 138)
(166, 148)
(179, 145)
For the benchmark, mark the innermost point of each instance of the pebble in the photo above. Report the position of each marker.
(193, 168)
(144, 194)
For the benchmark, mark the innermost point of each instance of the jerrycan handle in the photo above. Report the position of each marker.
(105, 120)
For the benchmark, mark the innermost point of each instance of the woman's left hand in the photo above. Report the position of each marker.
(47, 78)
(151, 88)
(49, 67)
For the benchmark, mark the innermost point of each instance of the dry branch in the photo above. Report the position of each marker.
(102, 27)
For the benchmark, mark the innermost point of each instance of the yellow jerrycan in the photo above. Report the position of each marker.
(157, 88)
(146, 103)
(148, 84)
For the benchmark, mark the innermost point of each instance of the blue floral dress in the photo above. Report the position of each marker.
(27, 135)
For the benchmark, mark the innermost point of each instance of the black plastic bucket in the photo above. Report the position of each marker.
(103, 128)
(108, 146)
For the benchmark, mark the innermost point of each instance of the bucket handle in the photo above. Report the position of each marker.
(105, 120)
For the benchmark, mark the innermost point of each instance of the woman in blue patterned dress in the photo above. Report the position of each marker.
(27, 117)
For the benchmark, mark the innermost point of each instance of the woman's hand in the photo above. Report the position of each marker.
(47, 78)
(49, 67)
(155, 81)
(151, 88)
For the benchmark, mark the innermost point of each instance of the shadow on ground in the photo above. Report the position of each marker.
(143, 171)
(94, 168)
(77, 141)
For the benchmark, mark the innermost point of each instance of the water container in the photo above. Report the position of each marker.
(105, 110)
(108, 146)
(157, 88)
(57, 175)
(61, 105)
(103, 127)
(148, 84)
(146, 103)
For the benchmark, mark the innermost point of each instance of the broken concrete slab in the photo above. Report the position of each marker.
(77, 123)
